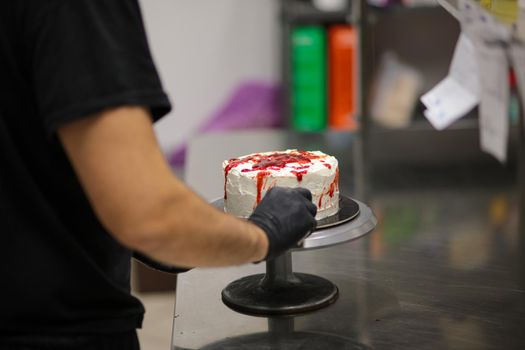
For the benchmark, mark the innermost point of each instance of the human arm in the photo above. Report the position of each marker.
(139, 200)
(81, 76)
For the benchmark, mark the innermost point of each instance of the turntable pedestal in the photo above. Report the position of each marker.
(280, 291)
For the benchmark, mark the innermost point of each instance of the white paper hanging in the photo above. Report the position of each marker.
(458, 93)
(517, 52)
(494, 106)
(447, 102)
(480, 26)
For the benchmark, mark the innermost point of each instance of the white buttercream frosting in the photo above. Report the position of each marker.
(315, 171)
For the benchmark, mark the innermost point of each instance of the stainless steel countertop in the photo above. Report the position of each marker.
(444, 269)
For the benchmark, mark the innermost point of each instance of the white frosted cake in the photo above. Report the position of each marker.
(248, 178)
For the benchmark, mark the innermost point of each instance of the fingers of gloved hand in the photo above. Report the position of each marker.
(312, 208)
(271, 192)
(314, 224)
(304, 192)
(309, 223)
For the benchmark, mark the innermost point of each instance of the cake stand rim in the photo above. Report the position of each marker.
(348, 231)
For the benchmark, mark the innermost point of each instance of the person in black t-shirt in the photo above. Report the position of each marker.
(83, 183)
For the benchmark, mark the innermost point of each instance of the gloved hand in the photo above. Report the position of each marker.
(286, 215)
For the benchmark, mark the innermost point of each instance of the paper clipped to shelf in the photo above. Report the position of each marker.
(458, 93)
(447, 102)
(491, 39)
(480, 25)
(494, 106)
(478, 75)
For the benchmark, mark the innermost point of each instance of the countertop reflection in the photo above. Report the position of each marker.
(444, 269)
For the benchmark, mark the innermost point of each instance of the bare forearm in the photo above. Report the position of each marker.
(139, 200)
(192, 233)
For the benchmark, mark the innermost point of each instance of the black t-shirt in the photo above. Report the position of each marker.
(61, 60)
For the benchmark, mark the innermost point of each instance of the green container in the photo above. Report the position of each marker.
(309, 78)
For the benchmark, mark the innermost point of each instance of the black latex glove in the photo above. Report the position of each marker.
(286, 215)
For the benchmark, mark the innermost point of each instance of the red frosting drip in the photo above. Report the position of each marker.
(260, 182)
(273, 161)
(335, 184)
(280, 160)
(225, 180)
(231, 163)
(327, 165)
(299, 174)
(331, 189)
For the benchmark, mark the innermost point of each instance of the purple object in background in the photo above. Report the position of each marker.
(252, 105)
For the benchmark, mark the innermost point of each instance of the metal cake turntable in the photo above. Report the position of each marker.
(280, 291)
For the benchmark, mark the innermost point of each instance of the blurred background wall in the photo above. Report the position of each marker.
(204, 50)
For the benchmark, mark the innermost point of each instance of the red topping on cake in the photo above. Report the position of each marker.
(302, 167)
(274, 161)
(227, 168)
(335, 184)
(260, 182)
(299, 174)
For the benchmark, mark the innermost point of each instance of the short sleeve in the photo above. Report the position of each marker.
(89, 55)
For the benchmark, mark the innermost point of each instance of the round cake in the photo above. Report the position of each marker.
(248, 178)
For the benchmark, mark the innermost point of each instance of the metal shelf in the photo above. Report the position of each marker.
(402, 10)
(320, 18)
(451, 6)
(418, 125)
(303, 13)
